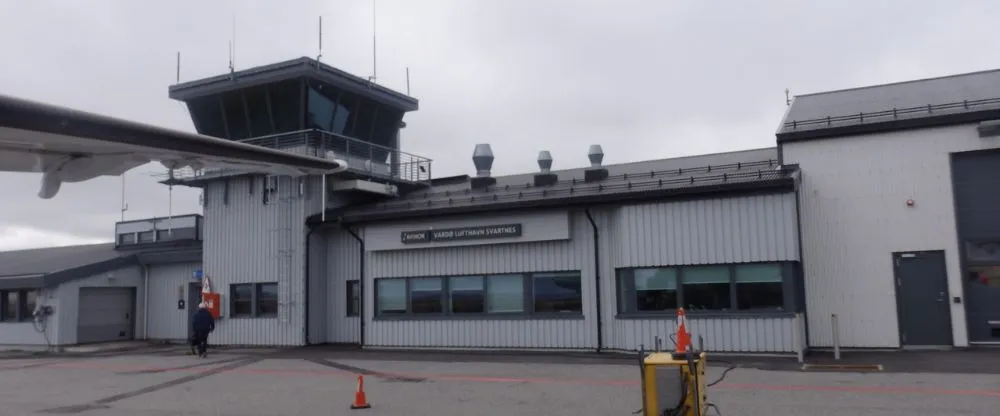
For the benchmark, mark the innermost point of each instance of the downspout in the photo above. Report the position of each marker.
(145, 302)
(361, 284)
(597, 283)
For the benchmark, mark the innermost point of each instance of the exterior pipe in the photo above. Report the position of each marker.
(597, 283)
(145, 302)
(361, 284)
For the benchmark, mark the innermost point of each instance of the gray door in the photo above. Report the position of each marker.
(105, 314)
(194, 298)
(922, 298)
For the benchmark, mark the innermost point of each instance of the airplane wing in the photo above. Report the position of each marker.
(67, 145)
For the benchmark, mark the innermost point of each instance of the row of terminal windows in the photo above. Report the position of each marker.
(724, 288)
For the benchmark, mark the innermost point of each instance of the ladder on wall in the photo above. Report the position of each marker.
(288, 193)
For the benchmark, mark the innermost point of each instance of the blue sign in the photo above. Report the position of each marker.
(197, 274)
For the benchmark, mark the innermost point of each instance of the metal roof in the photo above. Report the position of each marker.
(742, 171)
(292, 69)
(53, 259)
(960, 98)
(46, 267)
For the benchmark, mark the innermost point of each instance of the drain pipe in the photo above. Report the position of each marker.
(361, 284)
(597, 283)
(145, 301)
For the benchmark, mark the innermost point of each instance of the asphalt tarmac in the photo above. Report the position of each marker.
(165, 381)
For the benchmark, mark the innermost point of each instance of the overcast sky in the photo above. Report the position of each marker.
(645, 79)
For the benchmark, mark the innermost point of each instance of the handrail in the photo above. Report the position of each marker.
(623, 177)
(372, 159)
(466, 195)
(894, 113)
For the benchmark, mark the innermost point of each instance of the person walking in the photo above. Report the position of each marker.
(202, 324)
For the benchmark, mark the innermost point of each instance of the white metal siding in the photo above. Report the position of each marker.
(343, 264)
(166, 322)
(722, 230)
(719, 230)
(247, 241)
(575, 254)
(854, 216)
(750, 334)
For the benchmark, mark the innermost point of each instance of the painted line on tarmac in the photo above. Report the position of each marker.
(105, 402)
(886, 390)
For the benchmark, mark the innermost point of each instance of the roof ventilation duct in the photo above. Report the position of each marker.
(545, 177)
(596, 171)
(482, 157)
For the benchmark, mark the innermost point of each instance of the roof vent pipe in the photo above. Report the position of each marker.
(545, 161)
(596, 172)
(545, 177)
(596, 155)
(482, 157)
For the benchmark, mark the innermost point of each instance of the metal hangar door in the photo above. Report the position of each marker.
(106, 314)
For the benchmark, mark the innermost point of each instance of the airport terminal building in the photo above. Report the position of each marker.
(874, 206)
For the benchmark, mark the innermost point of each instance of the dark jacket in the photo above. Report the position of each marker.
(202, 321)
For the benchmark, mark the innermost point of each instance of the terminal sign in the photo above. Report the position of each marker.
(460, 234)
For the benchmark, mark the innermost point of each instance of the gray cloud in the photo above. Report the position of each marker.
(644, 79)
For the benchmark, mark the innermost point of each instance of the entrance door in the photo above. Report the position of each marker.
(922, 298)
(193, 299)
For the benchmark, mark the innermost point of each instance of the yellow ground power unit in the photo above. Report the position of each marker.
(673, 384)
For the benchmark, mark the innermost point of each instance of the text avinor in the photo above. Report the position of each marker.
(462, 233)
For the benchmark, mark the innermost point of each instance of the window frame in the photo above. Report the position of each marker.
(527, 290)
(353, 304)
(22, 314)
(255, 313)
(791, 283)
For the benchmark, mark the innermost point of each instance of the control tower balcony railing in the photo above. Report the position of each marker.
(363, 158)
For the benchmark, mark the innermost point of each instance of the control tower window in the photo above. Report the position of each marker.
(236, 116)
(207, 114)
(285, 104)
(321, 110)
(261, 123)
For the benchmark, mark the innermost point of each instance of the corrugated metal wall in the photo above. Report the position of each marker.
(248, 241)
(854, 216)
(166, 322)
(343, 264)
(721, 230)
(575, 254)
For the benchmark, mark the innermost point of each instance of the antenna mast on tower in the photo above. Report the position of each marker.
(320, 55)
(374, 55)
(124, 203)
(232, 48)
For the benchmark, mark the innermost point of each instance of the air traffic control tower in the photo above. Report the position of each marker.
(307, 107)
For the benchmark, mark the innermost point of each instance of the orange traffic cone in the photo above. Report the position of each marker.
(683, 338)
(360, 401)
